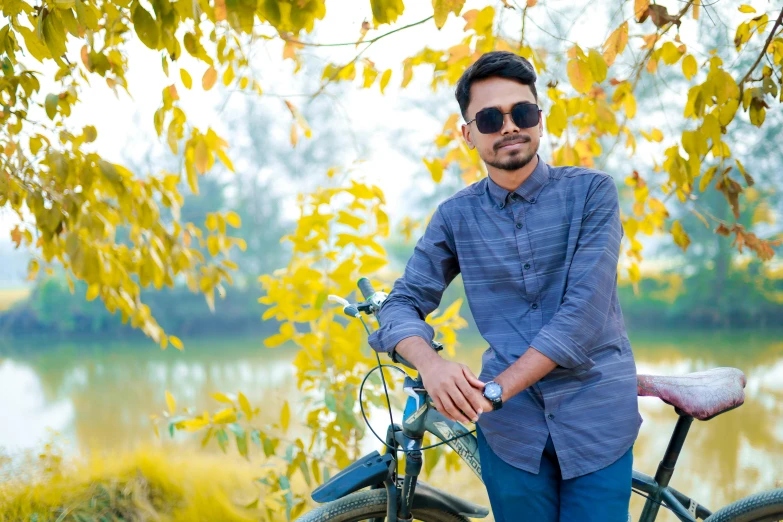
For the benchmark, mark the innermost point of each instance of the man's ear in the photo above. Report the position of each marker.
(466, 135)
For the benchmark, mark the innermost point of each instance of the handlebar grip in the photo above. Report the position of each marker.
(365, 287)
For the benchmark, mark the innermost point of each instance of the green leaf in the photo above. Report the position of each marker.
(269, 447)
(145, 26)
(34, 45)
(222, 438)
(51, 105)
(255, 437)
(53, 34)
(330, 401)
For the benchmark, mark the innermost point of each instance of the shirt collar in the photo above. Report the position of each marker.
(528, 190)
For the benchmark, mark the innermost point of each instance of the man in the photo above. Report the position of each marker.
(537, 246)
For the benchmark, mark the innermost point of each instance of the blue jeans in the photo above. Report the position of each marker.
(519, 496)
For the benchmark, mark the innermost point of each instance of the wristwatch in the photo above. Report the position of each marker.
(493, 392)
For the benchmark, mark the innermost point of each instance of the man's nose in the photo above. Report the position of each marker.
(509, 127)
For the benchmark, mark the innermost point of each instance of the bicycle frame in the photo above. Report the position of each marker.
(420, 417)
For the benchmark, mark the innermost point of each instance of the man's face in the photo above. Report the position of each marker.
(511, 147)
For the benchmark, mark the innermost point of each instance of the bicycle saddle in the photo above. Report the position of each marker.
(702, 395)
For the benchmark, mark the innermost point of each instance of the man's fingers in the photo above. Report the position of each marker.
(452, 408)
(473, 396)
(466, 411)
(472, 378)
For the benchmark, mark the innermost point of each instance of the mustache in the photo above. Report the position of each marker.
(511, 140)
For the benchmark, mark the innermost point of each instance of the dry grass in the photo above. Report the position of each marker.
(145, 485)
(10, 296)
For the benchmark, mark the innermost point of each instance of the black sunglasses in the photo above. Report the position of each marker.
(490, 120)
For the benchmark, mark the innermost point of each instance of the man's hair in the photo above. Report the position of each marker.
(495, 64)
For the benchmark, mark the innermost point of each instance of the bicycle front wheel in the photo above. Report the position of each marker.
(367, 505)
(762, 507)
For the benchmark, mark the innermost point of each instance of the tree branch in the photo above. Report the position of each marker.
(372, 40)
(778, 22)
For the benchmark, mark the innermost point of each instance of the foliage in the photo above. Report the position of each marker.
(335, 242)
(78, 200)
(750, 296)
(147, 484)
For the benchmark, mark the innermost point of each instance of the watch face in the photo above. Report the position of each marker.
(492, 391)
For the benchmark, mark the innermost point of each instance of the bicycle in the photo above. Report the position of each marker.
(701, 395)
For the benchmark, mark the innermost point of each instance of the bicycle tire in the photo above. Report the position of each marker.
(761, 507)
(368, 504)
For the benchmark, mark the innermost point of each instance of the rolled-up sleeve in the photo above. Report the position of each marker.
(591, 282)
(418, 292)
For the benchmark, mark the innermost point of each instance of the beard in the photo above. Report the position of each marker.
(513, 162)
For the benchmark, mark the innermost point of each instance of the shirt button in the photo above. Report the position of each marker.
(550, 416)
(514, 196)
(535, 305)
(519, 225)
(532, 200)
(501, 205)
(527, 266)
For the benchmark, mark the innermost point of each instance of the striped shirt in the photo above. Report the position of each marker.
(539, 267)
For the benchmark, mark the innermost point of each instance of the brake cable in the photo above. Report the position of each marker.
(388, 403)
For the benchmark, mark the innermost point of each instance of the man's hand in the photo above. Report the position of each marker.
(456, 392)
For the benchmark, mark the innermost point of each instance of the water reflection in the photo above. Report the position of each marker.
(100, 398)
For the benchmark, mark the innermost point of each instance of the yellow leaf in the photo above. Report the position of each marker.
(689, 66)
(371, 264)
(616, 43)
(557, 120)
(655, 135)
(175, 341)
(706, 178)
(633, 273)
(222, 398)
(629, 104)
(171, 403)
(435, 166)
(670, 53)
(350, 220)
(233, 219)
(443, 8)
(640, 8)
(187, 81)
(385, 79)
(701, 218)
(597, 65)
(681, 238)
(447, 314)
(579, 75)
(285, 416)
(209, 78)
(93, 291)
(245, 405)
(201, 159)
(226, 416)
(745, 8)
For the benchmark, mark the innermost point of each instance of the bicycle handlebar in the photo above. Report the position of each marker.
(365, 287)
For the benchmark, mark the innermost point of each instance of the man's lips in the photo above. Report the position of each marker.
(512, 144)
